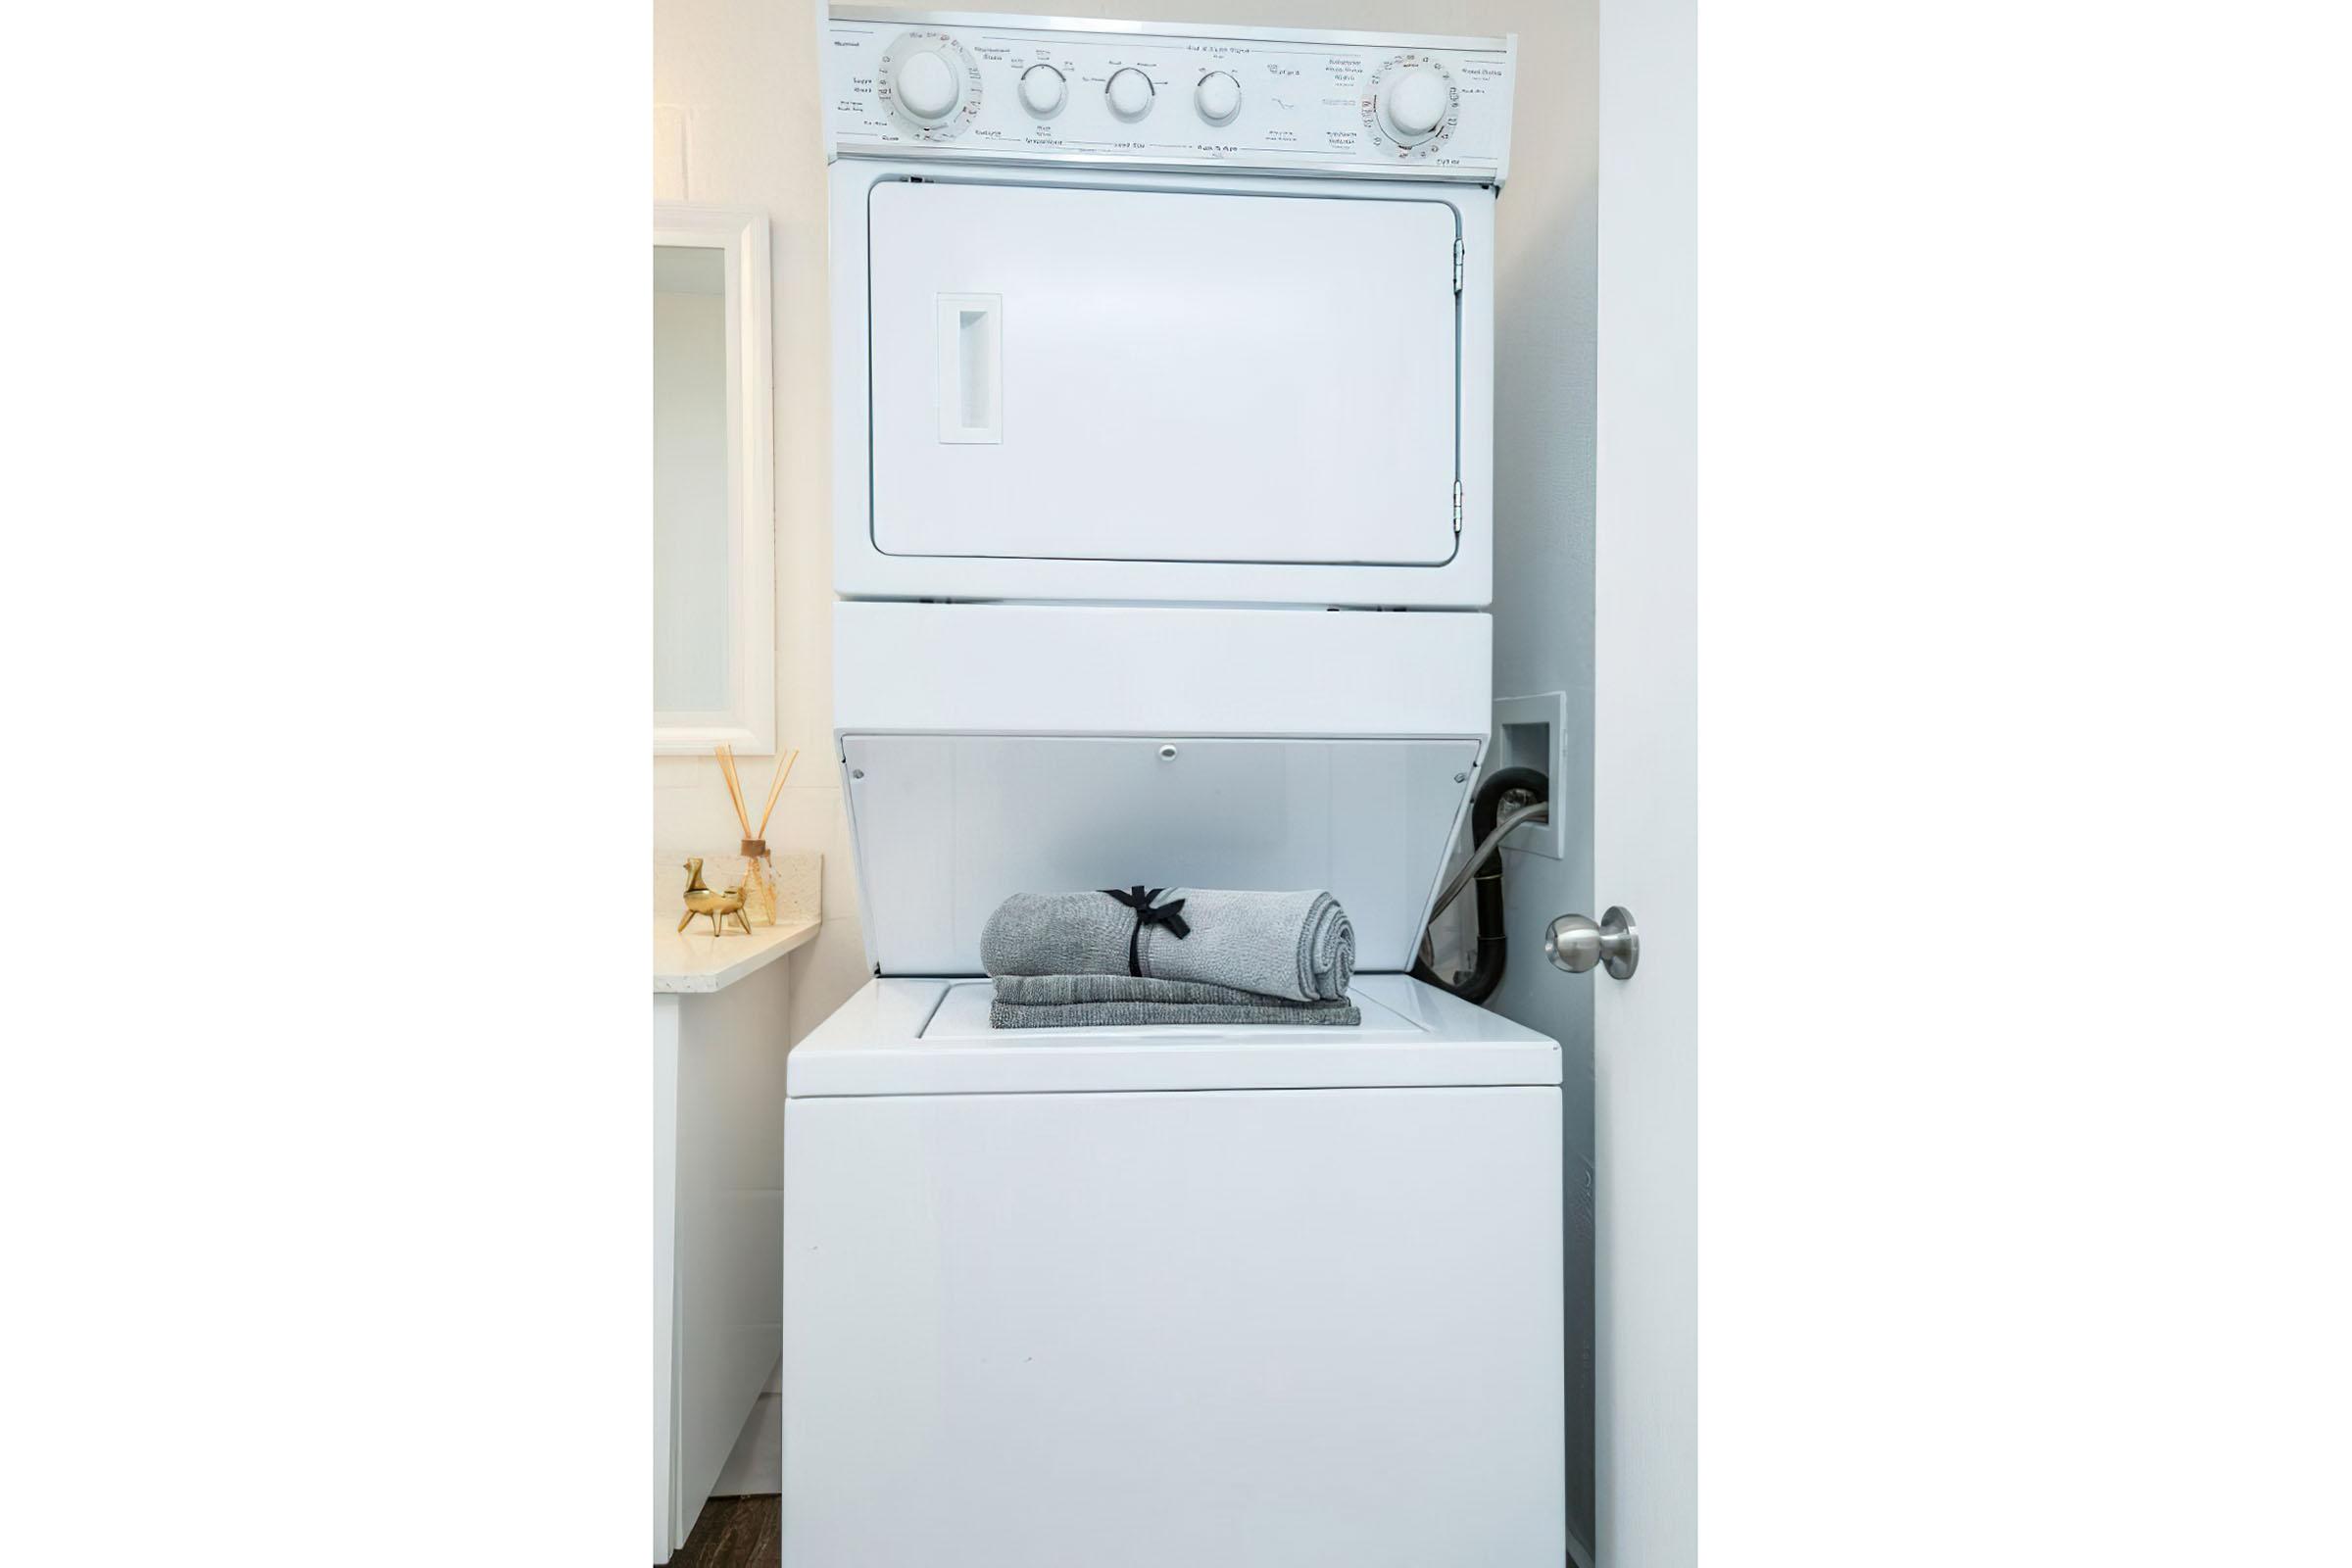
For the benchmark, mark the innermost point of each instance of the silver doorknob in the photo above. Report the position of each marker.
(1575, 944)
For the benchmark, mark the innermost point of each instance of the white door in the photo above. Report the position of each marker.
(1644, 818)
(1099, 375)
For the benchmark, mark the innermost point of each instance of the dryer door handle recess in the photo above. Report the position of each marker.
(971, 368)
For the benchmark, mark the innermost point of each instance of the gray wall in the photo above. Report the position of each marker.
(1547, 232)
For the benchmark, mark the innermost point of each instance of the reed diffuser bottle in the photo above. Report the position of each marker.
(759, 876)
(759, 883)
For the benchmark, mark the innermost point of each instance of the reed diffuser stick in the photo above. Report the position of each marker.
(726, 769)
(774, 790)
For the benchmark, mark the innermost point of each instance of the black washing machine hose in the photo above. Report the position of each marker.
(1490, 952)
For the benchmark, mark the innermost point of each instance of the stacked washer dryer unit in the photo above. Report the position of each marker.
(1162, 385)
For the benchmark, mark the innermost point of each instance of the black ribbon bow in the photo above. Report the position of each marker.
(1147, 914)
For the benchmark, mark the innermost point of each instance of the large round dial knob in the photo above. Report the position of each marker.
(1043, 89)
(1414, 104)
(1218, 97)
(1130, 93)
(927, 87)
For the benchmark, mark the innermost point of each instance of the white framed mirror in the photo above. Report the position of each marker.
(714, 589)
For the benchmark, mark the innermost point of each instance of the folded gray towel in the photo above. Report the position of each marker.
(1296, 946)
(1062, 990)
(1080, 1001)
(1108, 1015)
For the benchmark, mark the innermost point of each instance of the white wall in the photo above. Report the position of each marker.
(735, 123)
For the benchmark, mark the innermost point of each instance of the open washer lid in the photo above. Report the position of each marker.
(948, 826)
(988, 750)
(932, 1037)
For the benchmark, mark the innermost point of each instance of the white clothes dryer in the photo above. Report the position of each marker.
(1128, 351)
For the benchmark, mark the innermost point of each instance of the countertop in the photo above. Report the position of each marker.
(692, 960)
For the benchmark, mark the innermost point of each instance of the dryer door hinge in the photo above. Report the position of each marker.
(1458, 507)
(1457, 265)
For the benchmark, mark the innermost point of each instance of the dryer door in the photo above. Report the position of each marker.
(1100, 375)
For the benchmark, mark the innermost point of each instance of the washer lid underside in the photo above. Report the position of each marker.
(948, 826)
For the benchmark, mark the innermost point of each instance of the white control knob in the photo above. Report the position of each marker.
(1130, 93)
(1218, 97)
(1414, 104)
(927, 87)
(1043, 89)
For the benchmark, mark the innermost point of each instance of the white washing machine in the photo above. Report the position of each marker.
(1163, 406)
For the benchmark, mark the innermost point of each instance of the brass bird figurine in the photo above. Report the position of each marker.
(701, 900)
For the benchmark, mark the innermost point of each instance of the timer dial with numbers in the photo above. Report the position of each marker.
(930, 83)
(1410, 106)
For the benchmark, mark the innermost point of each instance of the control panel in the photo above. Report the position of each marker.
(1026, 89)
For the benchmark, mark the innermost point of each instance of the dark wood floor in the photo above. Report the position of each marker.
(732, 1532)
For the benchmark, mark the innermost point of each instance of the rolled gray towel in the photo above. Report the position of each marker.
(1297, 946)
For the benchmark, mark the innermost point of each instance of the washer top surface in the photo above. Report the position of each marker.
(932, 1037)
